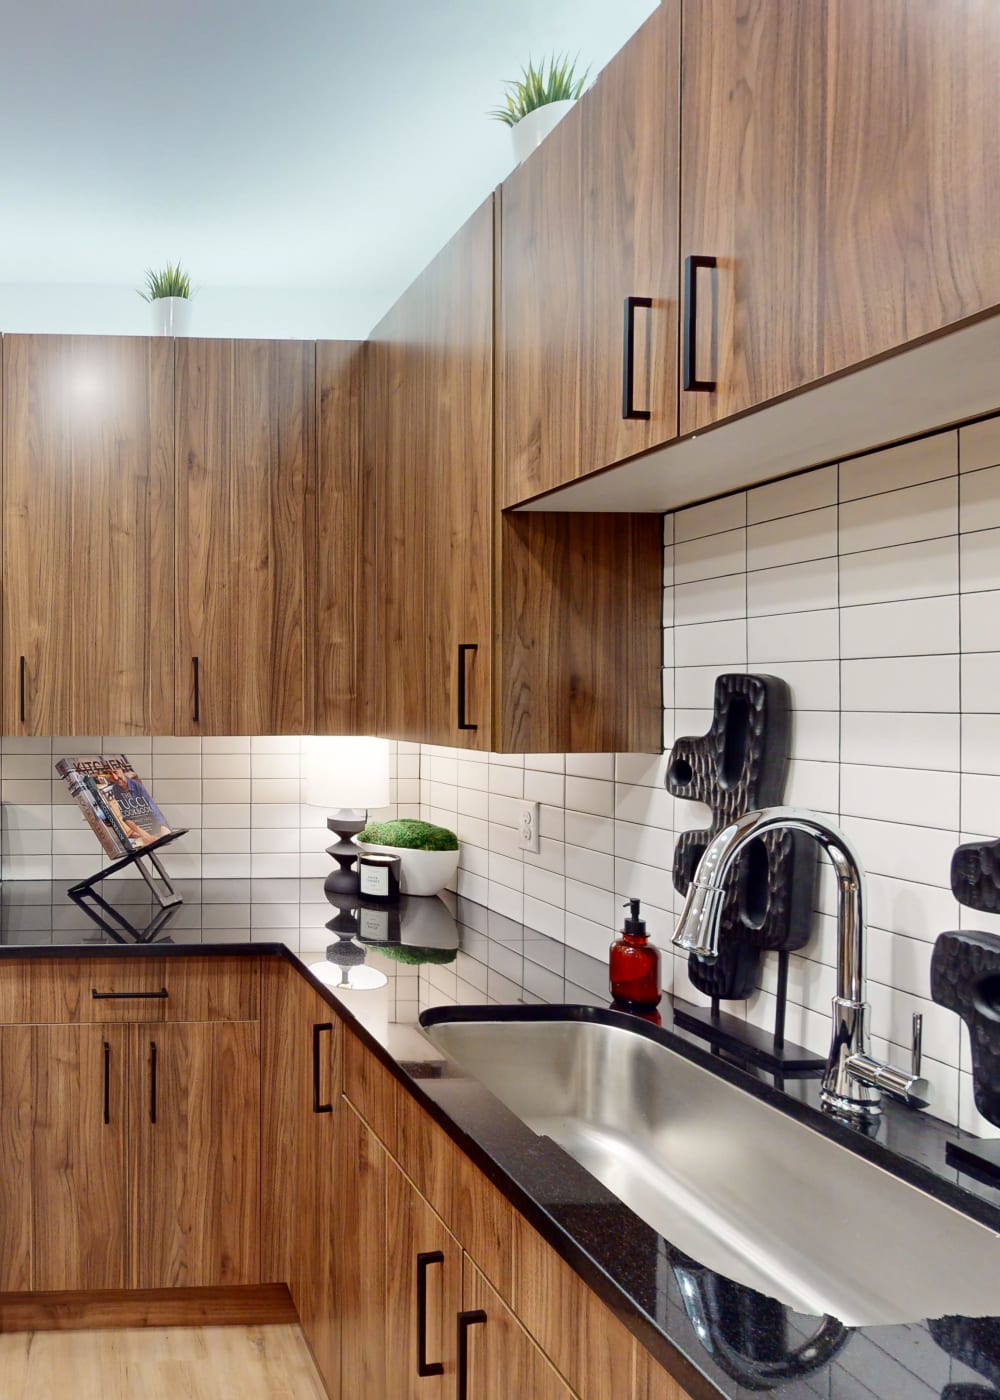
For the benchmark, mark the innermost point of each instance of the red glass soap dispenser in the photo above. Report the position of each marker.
(635, 964)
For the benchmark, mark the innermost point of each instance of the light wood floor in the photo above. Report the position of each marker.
(159, 1363)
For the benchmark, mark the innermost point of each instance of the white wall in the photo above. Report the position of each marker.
(873, 588)
(266, 313)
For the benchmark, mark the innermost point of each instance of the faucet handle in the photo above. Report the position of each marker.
(916, 1054)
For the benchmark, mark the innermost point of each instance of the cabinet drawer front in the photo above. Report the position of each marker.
(118, 990)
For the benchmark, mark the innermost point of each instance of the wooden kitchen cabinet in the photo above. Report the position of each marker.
(590, 220)
(245, 449)
(88, 546)
(520, 634)
(360, 1267)
(194, 1154)
(500, 1357)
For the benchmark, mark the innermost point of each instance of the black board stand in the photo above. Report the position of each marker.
(111, 920)
(977, 1157)
(746, 1042)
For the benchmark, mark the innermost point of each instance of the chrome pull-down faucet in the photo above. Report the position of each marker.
(853, 1078)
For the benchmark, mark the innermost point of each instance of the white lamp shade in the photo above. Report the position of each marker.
(350, 773)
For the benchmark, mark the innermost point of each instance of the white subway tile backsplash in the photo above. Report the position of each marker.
(897, 740)
(981, 621)
(900, 572)
(807, 587)
(792, 539)
(905, 852)
(711, 643)
(900, 517)
(923, 627)
(712, 518)
(900, 795)
(979, 500)
(915, 683)
(979, 445)
(981, 804)
(980, 683)
(590, 795)
(710, 556)
(710, 600)
(794, 636)
(981, 743)
(979, 561)
(910, 463)
(792, 495)
(591, 765)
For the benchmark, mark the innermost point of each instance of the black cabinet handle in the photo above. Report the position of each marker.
(628, 359)
(161, 995)
(152, 1081)
(21, 687)
(424, 1261)
(107, 1082)
(196, 668)
(692, 266)
(317, 1032)
(464, 648)
(470, 1318)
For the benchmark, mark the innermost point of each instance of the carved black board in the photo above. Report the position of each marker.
(975, 876)
(973, 1341)
(738, 766)
(965, 978)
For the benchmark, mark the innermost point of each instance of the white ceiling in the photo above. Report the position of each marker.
(306, 144)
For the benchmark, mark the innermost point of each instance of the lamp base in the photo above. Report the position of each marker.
(344, 879)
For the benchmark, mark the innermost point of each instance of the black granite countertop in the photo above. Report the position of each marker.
(717, 1336)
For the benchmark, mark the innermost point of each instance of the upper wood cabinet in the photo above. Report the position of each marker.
(833, 161)
(589, 221)
(525, 633)
(88, 549)
(429, 415)
(245, 442)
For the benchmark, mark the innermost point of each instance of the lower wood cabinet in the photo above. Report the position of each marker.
(129, 1153)
(496, 1355)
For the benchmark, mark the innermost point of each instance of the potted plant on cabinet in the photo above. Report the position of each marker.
(169, 294)
(428, 853)
(534, 103)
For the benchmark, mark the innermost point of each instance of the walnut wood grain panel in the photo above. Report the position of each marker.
(752, 188)
(361, 1258)
(583, 1339)
(74, 1311)
(580, 619)
(457, 457)
(299, 1201)
(17, 1098)
(194, 1172)
(209, 989)
(590, 219)
(412, 1228)
(340, 601)
(78, 1216)
(652, 1382)
(912, 193)
(503, 1361)
(373, 1091)
(141, 978)
(245, 450)
(40, 989)
(88, 534)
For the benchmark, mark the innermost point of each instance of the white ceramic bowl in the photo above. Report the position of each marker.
(422, 872)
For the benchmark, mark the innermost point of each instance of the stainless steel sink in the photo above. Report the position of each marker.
(730, 1180)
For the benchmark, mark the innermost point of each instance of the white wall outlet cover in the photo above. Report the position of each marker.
(527, 826)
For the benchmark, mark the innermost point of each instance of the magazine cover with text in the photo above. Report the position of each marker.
(114, 801)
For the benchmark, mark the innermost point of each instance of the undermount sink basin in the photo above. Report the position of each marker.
(729, 1180)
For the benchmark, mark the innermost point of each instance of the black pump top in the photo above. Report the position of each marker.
(634, 926)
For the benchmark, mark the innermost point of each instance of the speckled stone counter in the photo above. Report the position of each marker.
(718, 1336)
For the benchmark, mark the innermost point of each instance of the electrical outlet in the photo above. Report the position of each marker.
(527, 826)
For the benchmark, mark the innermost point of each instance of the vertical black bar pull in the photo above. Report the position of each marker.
(21, 688)
(424, 1261)
(628, 359)
(318, 1030)
(197, 689)
(152, 1081)
(470, 1318)
(692, 266)
(107, 1082)
(464, 647)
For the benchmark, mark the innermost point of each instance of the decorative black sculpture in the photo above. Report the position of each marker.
(737, 767)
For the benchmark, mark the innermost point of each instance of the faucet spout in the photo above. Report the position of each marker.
(852, 1079)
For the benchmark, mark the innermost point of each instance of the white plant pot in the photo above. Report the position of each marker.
(171, 315)
(421, 872)
(531, 131)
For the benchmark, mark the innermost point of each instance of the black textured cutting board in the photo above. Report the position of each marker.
(738, 766)
(975, 876)
(965, 978)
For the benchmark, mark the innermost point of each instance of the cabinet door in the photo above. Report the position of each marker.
(78, 1215)
(88, 578)
(301, 1081)
(500, 1358)
(587, 221)
(245, 448)
(194, 1154)
(17, 1101)
(424, 1295)
(360, 1252)
(430, 409)
(752, 130)
(912, 187)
